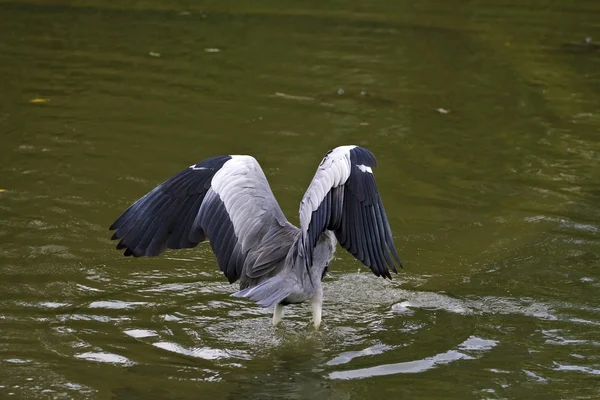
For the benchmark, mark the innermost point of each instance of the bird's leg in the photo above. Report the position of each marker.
(277, 314)
(317, 303)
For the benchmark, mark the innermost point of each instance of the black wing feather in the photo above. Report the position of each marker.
(141, 228)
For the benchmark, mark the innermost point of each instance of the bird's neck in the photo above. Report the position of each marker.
(322, 255)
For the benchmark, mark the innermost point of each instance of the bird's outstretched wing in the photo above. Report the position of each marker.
(226, 199)
(343, 198)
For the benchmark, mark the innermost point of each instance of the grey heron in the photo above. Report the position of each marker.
(228, 200)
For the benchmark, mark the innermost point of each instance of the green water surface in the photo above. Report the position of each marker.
(485, 120)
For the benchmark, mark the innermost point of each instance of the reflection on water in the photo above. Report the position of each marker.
(205, 352)
(484, 121)
(104, 358)
(412, 367)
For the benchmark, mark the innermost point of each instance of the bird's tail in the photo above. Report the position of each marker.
(268, 293)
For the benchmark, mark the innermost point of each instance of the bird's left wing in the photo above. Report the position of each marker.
(343, 198)
(226, 199)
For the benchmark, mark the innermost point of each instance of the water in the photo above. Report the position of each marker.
(484, 119)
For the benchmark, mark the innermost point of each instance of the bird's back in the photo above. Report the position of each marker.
(270, 257)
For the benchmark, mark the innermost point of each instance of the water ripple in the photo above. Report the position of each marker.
(422, 365)
(105, 358)
(206, 353)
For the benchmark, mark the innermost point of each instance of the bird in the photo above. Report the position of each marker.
(227, 200)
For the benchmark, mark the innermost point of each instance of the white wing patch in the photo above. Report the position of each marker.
(365, 168)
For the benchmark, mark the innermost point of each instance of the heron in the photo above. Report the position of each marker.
(227, 200)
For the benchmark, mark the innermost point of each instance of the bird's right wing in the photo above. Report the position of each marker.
(226, 199)
(343, 198)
